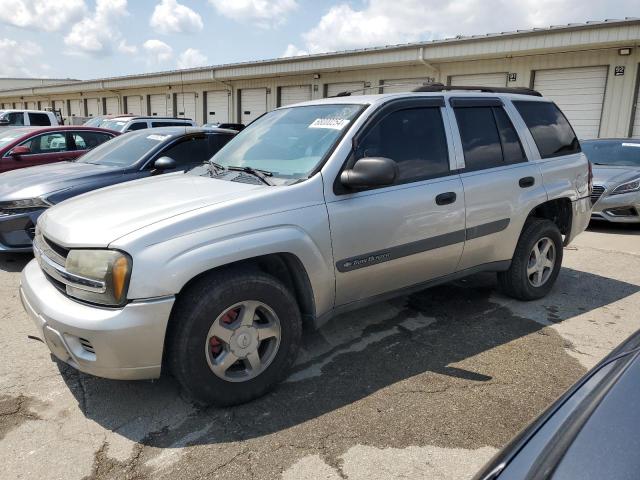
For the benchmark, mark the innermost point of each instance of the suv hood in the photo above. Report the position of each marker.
(98, 218)
(609, 175)
(42, 180)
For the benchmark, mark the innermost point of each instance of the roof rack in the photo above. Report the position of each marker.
(439, 87)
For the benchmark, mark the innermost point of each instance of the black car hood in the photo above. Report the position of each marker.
(44, 180)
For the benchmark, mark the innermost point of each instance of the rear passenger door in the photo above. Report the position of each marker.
(500, 185)
(404, 234)
(83, 141)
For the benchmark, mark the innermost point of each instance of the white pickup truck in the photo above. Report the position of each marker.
(20, 118)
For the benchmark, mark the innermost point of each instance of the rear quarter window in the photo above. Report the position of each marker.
(550, 129)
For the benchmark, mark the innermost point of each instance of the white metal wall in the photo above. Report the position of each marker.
(253, 103)
(75, 106)
(291, 94)
(31, 105)
(635, 128)
(186, 105)
(134, 104)
(158, 104)
(94, 107)
(401, 85)
(498, 79)
(44, 104)
(579, 92)
(217, 106)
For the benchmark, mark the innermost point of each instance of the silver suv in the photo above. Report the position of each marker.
(312, 210)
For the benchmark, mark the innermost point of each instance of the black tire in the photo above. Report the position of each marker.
(193, 315)
(515, 282)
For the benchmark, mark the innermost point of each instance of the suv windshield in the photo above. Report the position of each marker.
(125, 150)
(613, 152)
(289, 142)
(117, 125)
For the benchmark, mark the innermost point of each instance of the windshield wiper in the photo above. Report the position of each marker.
(256, 172)
(217, 168)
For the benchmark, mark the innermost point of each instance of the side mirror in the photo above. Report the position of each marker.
(370, 172)
(4, 121)
(165, 163)
(20, 150)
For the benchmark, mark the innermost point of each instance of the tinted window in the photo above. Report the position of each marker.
(414, 139)
(488, 138)
(217, 141)
(137, 126)
(549, 127)
(40, 119)
(125, 150)
(190, 151)
(613, 152)
(15, 118)
(117, 125)
(47, 143)
(89, 140)
(169, 124)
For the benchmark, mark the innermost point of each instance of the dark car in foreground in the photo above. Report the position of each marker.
(23, 147)
(616, 179)
(27, 193)
(590, 433)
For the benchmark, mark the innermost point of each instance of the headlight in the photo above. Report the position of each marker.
(24, 204)
(110, 268)
(631, 186)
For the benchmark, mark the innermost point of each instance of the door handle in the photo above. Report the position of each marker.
(446, 198)
(527, 182)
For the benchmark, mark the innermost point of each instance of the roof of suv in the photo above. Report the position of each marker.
(148, 117)
(175, 131)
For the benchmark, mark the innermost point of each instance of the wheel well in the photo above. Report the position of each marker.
(559, 211)
(286, 267)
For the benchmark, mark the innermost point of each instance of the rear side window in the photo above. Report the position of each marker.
(414, 138)
(190, 151)
(488, 138)
(89, 140)
(170, 124)
(39, 119)
(549, 127)
(137, 126)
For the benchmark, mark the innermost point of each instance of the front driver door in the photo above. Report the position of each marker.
(45, 148)
(388, 238)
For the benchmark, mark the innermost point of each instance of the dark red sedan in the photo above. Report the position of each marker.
(29, 146)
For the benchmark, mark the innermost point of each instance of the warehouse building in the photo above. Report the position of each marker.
(590, 70)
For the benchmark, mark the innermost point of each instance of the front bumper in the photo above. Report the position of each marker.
(17, 230)
(122, 344)
(622, 208)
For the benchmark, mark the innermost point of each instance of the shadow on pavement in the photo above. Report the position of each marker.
(615, 228)
(430, 331)
(14, 262)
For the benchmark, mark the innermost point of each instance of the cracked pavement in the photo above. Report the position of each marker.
(424, 386)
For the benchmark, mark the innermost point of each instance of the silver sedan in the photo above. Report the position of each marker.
(616, 179)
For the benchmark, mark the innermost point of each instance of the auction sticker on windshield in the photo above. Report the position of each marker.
(331, 123)
(159, 138)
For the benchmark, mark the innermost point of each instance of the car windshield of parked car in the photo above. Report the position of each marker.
(94, 122)
(289, 142)
(613, 152)
(8, 136)
(117, 125)
(125, 150)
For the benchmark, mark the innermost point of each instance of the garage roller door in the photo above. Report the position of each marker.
(158, 104)
(76, 108)
(636, 118)
(60, 105)
(294, 94)
(480, 80)
(335, 88)
(217, 106)
(134, 104)
(253, 103)
(112, 105)
(579, 92)
(31, 105)
(94, 107)
(44, 104)
(402, 85)
(186, 105)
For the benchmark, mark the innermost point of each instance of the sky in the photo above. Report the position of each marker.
(87, 39)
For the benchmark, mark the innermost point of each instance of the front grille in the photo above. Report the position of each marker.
(60, 250)
(62, 288)
(16, 211)
(596, 193)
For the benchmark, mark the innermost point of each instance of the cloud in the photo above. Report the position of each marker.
(169, 16)
(262, 13)
(385, 22)
(293, 51)
(157, 51)
(191, 58)
(47, 15)
(18, 59)
(98, 34)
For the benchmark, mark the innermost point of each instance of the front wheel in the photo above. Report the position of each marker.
(536, 261)
(234, 336)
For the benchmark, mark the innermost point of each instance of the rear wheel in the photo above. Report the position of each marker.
(536, 261)
(234, 335)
